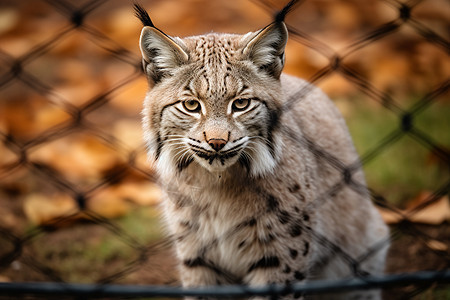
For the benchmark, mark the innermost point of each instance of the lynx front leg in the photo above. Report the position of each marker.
(196, 272)
(270, 270)
(200, 273)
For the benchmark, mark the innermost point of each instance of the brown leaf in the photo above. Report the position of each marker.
(8, 19)
(80, 158)
(109, 204)
(130, 98)
(433, 214)
(129, 133)
(6, 156)
(437, 245)
(41, 209)
(390, 217)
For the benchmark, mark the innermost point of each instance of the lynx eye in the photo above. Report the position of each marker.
(241, 104)
(192, 105)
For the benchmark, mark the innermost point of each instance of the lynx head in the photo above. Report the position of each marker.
(214, 100)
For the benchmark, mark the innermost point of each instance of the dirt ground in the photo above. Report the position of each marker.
(412, 251)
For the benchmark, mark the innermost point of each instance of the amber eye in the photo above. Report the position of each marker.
(192, 105)
(240, 104)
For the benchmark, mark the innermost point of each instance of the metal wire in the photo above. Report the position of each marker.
(315, 287)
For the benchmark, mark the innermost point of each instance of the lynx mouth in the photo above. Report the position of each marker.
(212, 156)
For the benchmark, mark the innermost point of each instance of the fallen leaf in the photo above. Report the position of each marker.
(434, 214)
(8, 19)
(41, 209)
(107, 203)
(130, 98)
(129, 133)
(81, 158)
(8, 219)
(437, 245)
(7, 156)
(49, 116)
(390, 217)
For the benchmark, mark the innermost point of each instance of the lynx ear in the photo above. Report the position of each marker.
(161, 54)
(266, 48)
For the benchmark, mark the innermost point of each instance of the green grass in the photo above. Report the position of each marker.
(143, 223)
(435, 293)
(85, 253)
(406, 167)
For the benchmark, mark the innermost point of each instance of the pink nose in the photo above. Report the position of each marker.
(217, 144)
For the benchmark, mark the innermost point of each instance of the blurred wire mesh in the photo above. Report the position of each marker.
(76, 193)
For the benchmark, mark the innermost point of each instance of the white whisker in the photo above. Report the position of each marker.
(185, 153)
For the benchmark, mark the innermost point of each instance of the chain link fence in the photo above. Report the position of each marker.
(73, 163)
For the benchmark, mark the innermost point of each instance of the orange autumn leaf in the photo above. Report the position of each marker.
(435, 213)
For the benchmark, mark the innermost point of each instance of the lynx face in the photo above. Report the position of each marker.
(213, 100)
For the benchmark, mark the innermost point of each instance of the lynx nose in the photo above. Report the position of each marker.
(217, 144)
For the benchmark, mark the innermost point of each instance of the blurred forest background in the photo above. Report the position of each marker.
(76, 192)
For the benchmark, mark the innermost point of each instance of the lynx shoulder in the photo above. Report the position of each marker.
(261, 180)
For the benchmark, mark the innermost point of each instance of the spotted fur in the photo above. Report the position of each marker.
(254, 192)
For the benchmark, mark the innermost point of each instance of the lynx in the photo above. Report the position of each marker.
(261, 180)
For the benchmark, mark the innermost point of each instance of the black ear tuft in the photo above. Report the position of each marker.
(142, 15)
(281, 15)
